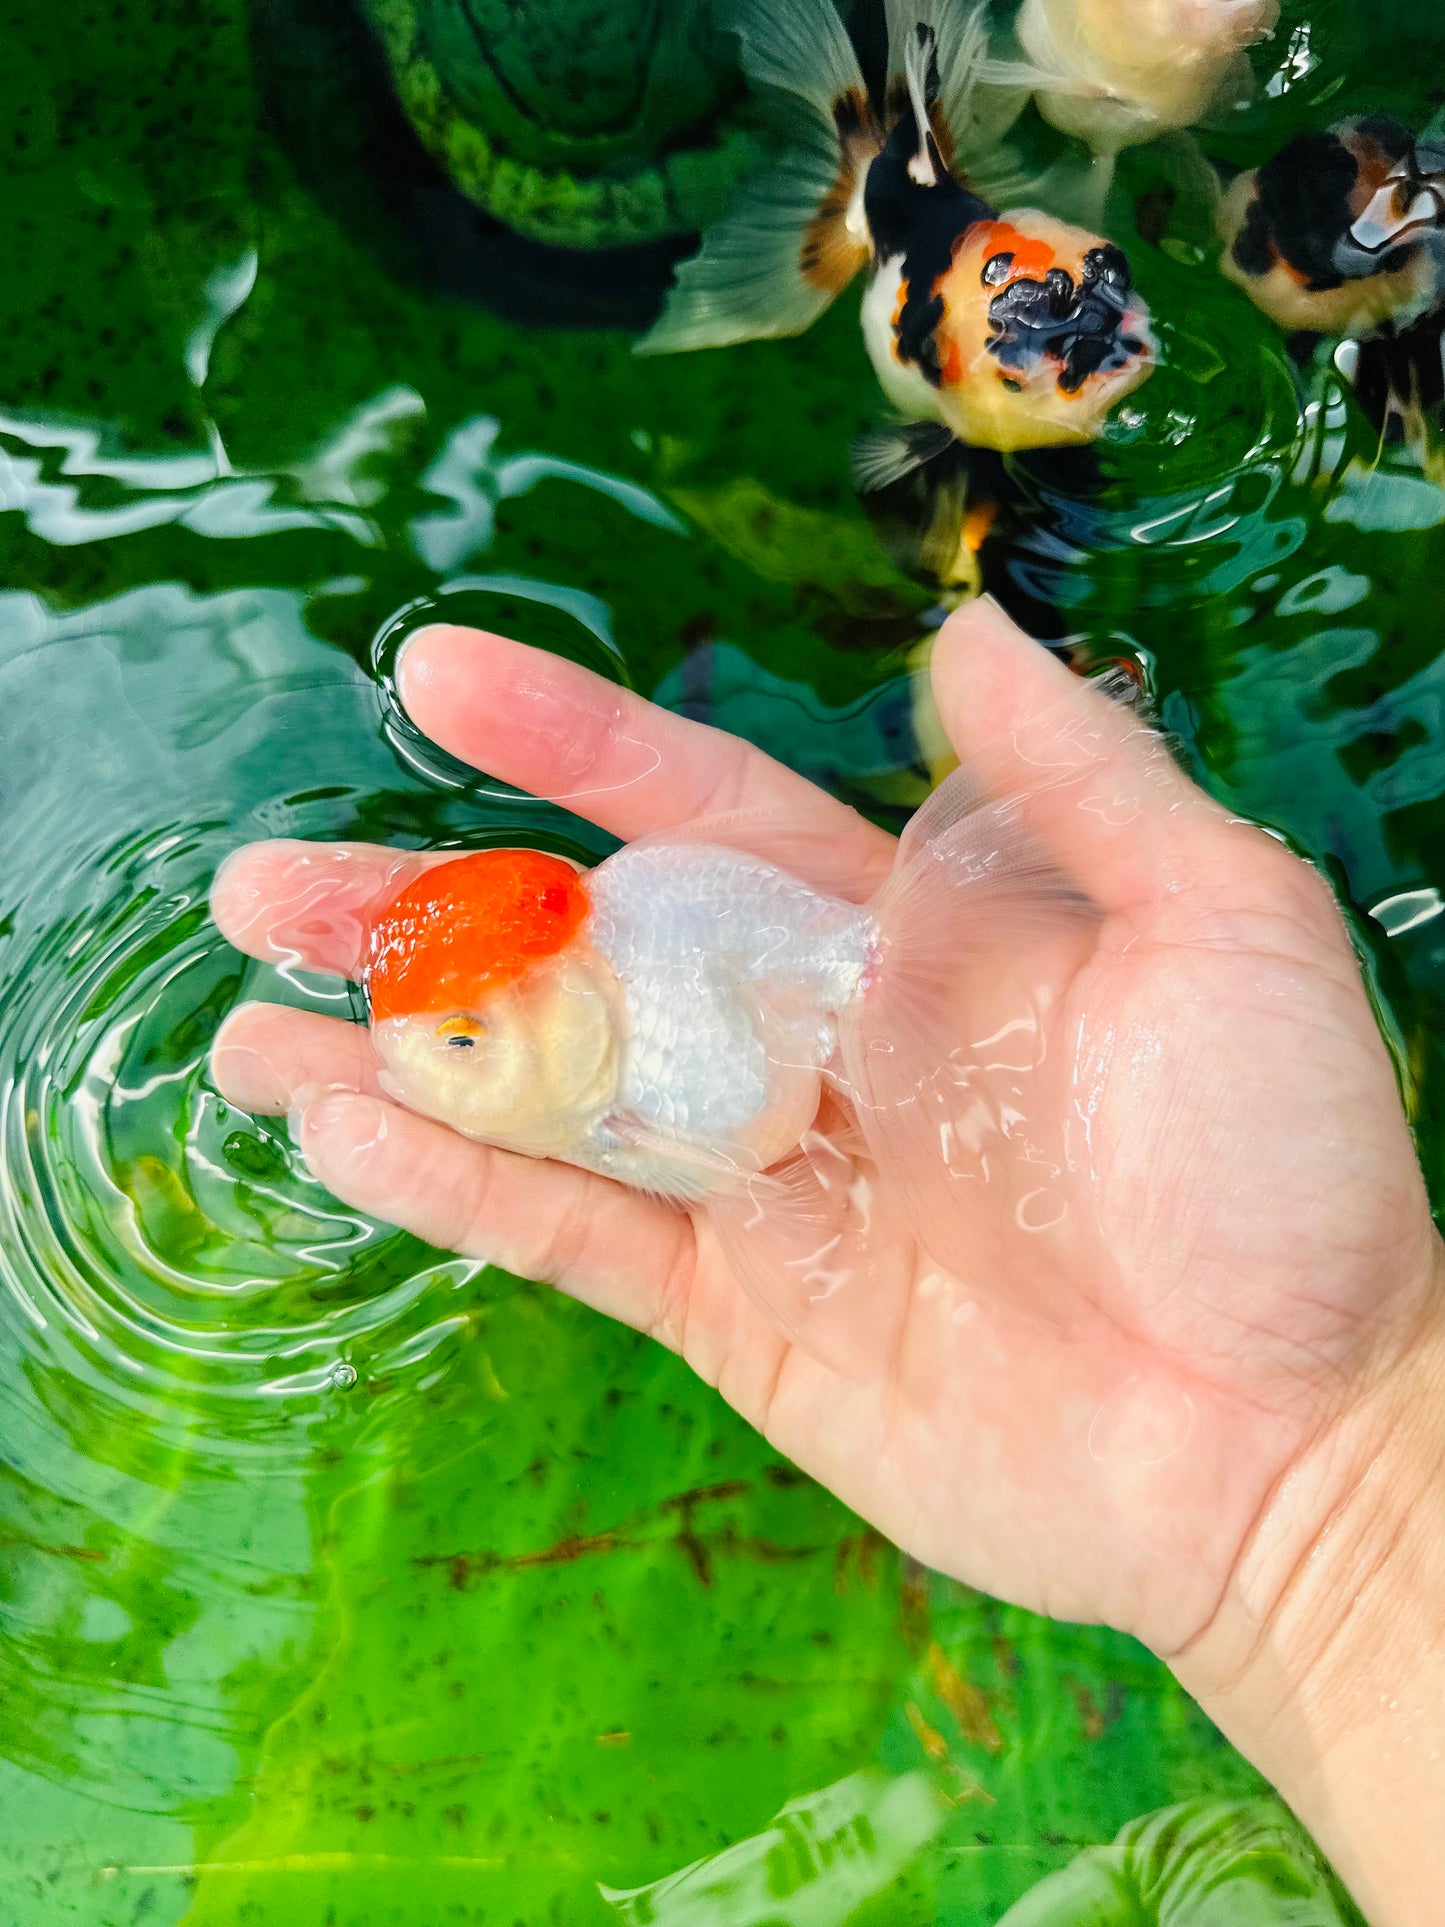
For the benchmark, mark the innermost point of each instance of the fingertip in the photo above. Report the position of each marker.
(238, 1070)
(988, 673)
(984, 643)
(438, 660)
(240, 887)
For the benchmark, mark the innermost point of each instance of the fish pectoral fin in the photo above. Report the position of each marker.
(885, 452)
(814, 1242)
(672, 1166)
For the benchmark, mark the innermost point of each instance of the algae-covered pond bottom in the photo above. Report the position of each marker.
(340, 1580)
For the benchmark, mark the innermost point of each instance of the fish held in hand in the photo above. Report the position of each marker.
(701, 1019)
(1010, 330)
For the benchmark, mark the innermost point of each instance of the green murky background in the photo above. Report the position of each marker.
(340, 1581)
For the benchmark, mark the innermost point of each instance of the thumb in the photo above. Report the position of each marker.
(1100, 790)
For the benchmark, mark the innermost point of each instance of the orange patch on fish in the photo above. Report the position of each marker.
(465, 929)
(899, 305)
(977, 523)
(1032, 258)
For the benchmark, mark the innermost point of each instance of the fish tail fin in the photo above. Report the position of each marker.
(1399, 381)
(943, 1051)
(796, 238)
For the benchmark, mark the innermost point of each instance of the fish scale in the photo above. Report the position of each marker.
(692, 932)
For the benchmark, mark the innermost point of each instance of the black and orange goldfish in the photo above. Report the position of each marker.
(1343, 233)
(1008, 330)
(1342, 230)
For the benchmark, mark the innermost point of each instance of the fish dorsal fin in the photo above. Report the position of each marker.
(920, 73)
(796, 238)
(957, 39)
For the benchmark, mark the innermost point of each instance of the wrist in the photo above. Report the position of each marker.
(1325, 1662)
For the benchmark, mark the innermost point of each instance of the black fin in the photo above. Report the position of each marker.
(885, 452)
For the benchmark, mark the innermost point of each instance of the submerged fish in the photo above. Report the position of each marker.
(1343, 233)
(1119, 72)
(685, 1016)
(1010, 330)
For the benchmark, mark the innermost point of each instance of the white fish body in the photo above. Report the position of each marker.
(733, 974)
(701, 1018)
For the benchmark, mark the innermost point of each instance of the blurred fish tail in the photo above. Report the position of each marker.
(1399, 380)
(797, 236)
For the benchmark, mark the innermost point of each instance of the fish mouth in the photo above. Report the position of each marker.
(1085, 328)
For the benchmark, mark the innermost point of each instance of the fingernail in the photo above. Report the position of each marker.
(339, 1129)
(223, 880)
(408, 643)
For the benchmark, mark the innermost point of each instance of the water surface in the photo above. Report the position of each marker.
(341, 1580)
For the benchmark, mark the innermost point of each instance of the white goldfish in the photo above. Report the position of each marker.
(704, 1024)
(1119, 72)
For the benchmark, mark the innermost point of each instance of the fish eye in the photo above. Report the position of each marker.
(460, 1033)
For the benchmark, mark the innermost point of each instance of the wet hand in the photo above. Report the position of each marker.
(1101, 1442)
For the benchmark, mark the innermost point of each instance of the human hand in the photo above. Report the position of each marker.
(1103, 1447)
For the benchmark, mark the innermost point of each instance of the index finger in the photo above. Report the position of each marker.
(549, 726)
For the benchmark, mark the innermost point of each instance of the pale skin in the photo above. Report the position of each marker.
(1225, 1434)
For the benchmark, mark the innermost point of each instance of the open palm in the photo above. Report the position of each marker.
(1091, 1423)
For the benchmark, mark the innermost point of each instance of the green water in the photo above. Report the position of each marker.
(341, 1581)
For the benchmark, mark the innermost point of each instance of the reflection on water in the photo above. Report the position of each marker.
(822, 1857)
(339, 1578)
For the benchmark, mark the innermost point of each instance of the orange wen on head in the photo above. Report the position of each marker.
(466, 929)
